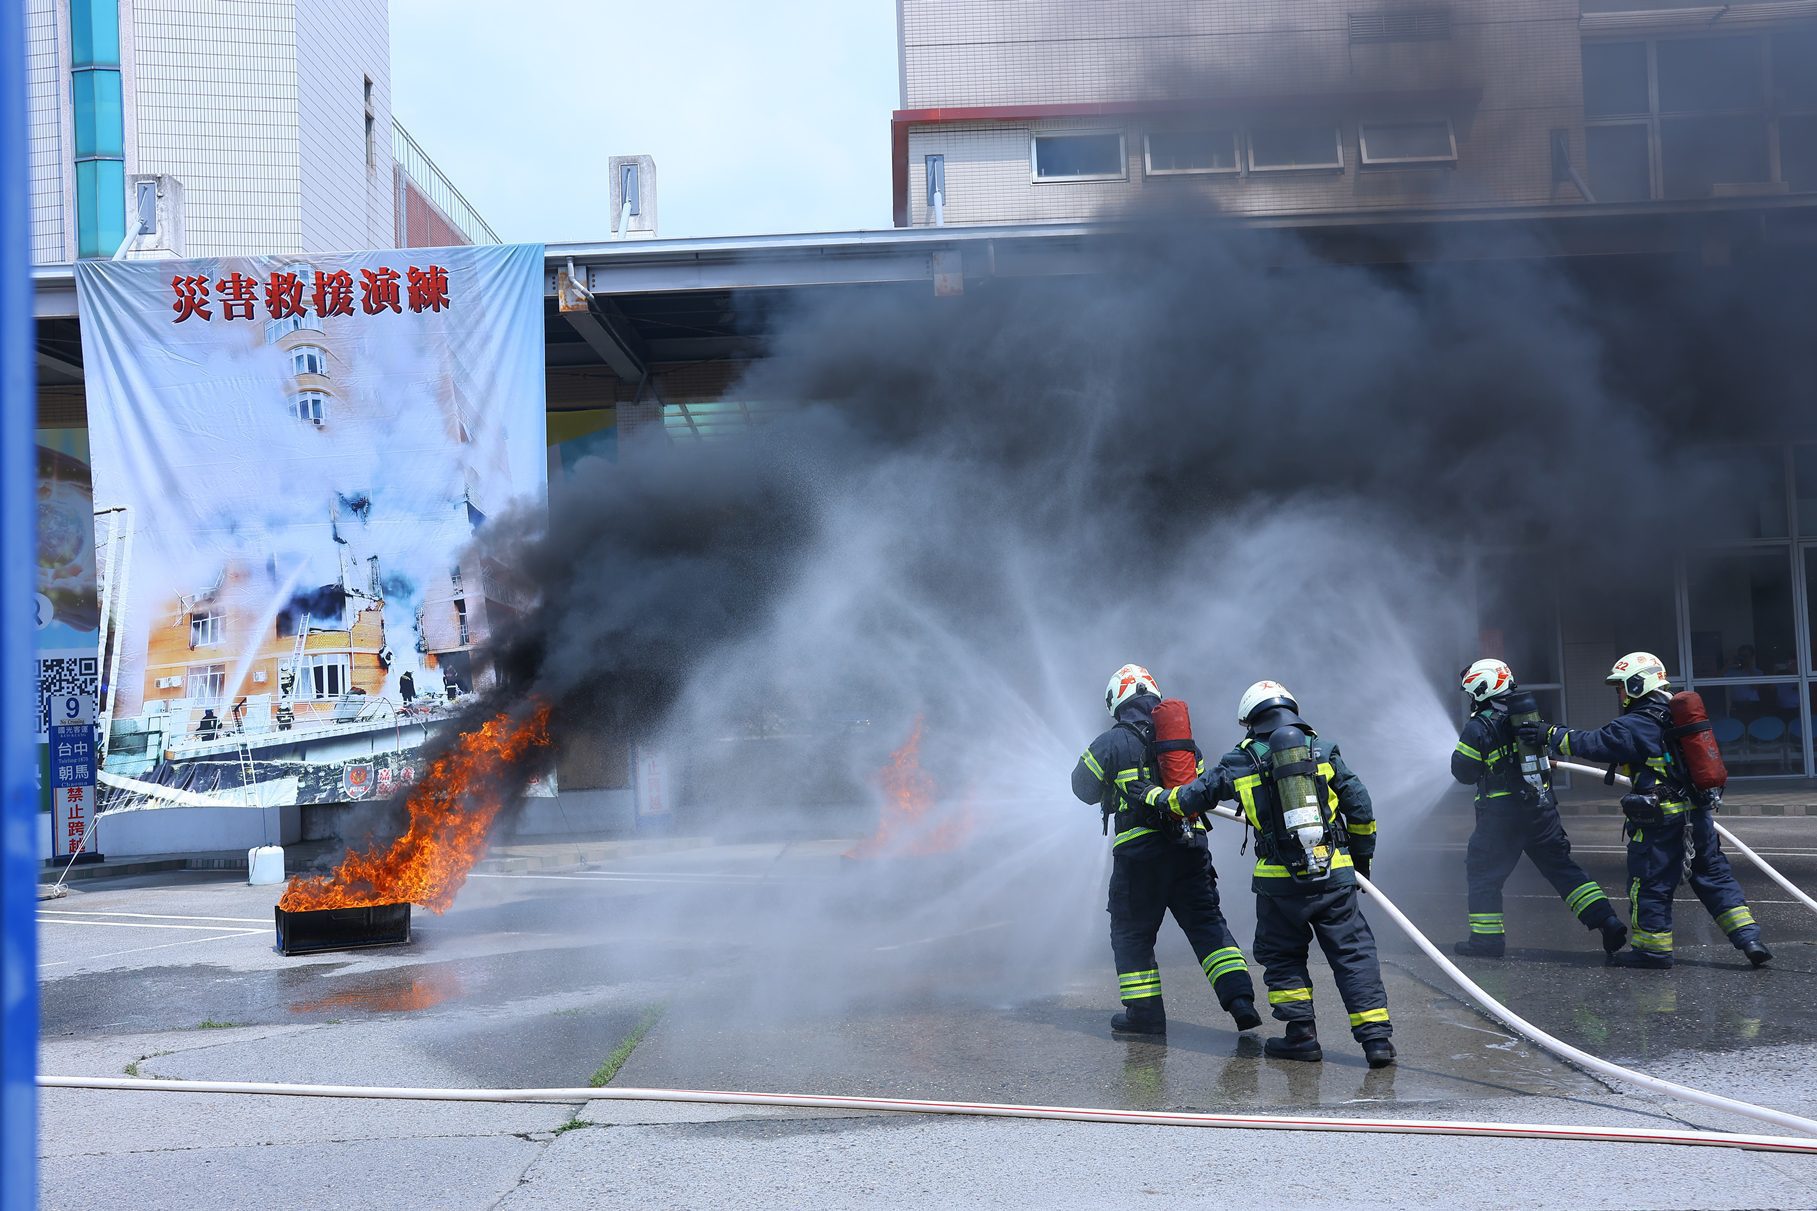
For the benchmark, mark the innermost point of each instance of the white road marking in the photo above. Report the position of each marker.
(238, 933)
(53, 919)
(153, 916)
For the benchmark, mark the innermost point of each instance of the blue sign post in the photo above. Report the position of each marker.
(18, 667)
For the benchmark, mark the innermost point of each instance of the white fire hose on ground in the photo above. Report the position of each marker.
(1766, 868)
(1805, 1144)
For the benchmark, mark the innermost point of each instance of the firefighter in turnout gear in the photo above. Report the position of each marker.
(1315, 829)
(1160, 863)
(1668, 824)
(1516, 813)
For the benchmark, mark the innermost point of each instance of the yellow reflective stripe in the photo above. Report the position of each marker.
(1220, 963)
(1130, 834)
(1467, 751)
(1584, 895)
(1496, 795)
(1369, 1015)
(1126, 776)
(1735, 918)
(1656, 943)
(1564, 745)
(1091, 763)
(1358, 829)
(1271, 870)
(1285, 996)
(1154, 795)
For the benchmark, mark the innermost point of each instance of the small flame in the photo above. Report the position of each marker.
(451, 813)
(906, 828)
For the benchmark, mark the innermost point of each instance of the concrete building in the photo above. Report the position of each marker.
(273, 117)
(1056, 110)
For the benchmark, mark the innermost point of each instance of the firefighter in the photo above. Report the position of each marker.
(1668, 824)
(1315, 829)
(1516, 813)
(1160, 863)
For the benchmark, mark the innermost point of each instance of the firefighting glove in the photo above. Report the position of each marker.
(1536, 732)
(1362, 864)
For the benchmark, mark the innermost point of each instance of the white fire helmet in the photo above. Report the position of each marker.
(1261, 694)
(1126, 683)
(1639, 674)
(1488, 678)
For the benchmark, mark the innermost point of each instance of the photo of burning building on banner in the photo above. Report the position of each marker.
(305, 616)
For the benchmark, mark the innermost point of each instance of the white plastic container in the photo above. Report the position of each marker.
(265, 864)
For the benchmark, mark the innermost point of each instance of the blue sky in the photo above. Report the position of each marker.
(763, 117)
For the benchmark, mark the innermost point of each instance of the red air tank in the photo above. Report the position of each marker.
(1178, 755)
(1696, 742)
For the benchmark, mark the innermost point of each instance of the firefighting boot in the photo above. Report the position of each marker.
(1242, 1011)
(1614, 934)
(1379, 1052)
(1145, 1018)
(1641, 958)
(1301, 1042)
(1757, 954)
(1483, 946)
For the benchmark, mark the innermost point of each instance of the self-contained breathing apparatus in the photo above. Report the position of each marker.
(1698, 774)
(1523, 707)
(1293, 826)
(1172, 757)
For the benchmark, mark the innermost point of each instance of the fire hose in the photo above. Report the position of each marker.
(1495, 1009)
(1766, 868)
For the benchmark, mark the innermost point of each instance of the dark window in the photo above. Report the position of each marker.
(1192, 151)
(1698, 75)
(1615, 79)
(1804, 475)
(1741, 614)
(1795, 70)
(1517, 616)
(1618, 162)
(1408, 25)
(1272, 147)
(1059, 157)
(1798, 153)
(1696, 154)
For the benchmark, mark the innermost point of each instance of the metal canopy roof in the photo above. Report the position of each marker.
(633, 305)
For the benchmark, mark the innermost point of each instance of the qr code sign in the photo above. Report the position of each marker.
(61, 675)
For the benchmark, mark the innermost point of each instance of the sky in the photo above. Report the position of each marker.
(762, 117)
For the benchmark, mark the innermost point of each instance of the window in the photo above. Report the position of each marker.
(1741, 613)
(1517, 615)
(328, 676)
(205, 629)
(1744, 493)
(311, 406)
(1615, 79)
(99, 119)
(460, 614)
(1096, 156)
(1407, 25)
(1704, 116)
(309, 359)
(1621, 168)
(1810, 600)
(100, 207)
(372, 149)
(207, 682)
(1191, 151)
(277, 330)
(1423, 142)
(94, 27)
(1279, 148)
(1804, 475)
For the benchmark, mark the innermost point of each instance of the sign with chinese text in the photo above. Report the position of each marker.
(72, 789)
(299, 451)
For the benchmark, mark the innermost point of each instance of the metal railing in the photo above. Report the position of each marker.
(422, 171)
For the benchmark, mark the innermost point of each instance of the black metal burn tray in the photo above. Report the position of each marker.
(318, 929)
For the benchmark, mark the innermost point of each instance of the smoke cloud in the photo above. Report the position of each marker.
(1219, 457)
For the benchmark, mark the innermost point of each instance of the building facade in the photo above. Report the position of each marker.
(1053, 110)
(274, 116)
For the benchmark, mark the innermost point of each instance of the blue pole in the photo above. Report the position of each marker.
(18, 629)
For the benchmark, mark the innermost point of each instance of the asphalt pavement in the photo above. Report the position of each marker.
(977, 975)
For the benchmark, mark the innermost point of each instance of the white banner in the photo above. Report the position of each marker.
(293, 455)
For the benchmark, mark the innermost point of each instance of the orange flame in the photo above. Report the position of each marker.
(451, 813)
(906, 828)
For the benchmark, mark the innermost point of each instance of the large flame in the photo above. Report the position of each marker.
(451, 812)
(908, 826)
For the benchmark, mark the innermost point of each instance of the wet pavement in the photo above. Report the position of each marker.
(785, 967)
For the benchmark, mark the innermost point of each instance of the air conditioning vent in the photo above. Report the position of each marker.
(1405, 25)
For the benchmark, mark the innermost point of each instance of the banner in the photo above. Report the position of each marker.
(68, 615)
(291, 458)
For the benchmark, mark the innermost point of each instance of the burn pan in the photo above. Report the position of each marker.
(319, 929)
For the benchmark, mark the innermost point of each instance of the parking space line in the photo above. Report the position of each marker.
(53, 919)
(112, 954)
(153, 916)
